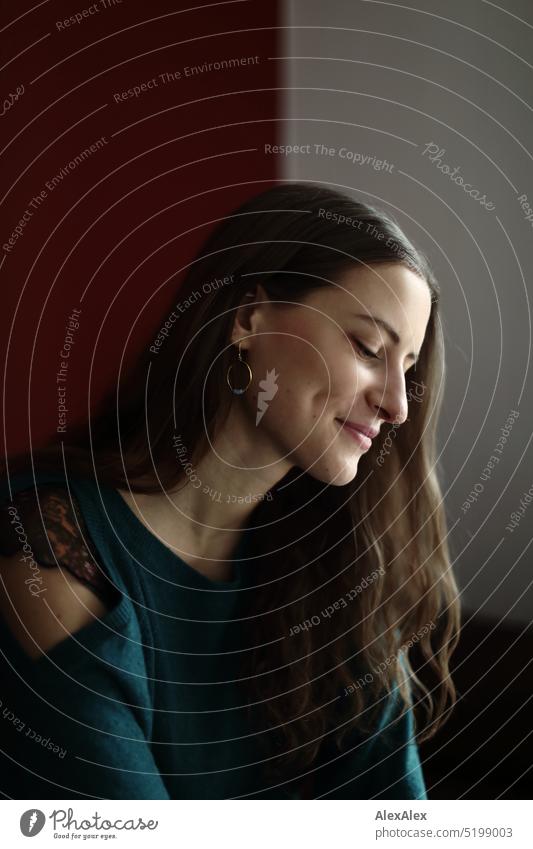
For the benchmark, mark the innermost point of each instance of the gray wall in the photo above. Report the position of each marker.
(385, 82)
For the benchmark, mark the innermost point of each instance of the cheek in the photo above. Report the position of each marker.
(348, 379)
(294, 365)
(291, 352)
(289, 376)
(316, 378)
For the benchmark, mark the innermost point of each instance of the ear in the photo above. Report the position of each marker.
(249, 316)
(260, 293)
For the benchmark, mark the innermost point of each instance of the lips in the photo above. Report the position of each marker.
(366, 430)
(356, 433)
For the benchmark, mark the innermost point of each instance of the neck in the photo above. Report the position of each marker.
(205, 516)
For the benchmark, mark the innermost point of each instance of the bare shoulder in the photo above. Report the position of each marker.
(40, 621)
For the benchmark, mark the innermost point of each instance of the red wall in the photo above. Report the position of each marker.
(129, 214)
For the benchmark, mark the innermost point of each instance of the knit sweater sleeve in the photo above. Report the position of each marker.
(76, 722)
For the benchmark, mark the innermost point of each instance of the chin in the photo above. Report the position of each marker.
(345, 475)
(334, 470)
(326, 458)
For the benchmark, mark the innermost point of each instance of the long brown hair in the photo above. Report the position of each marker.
(359, 575)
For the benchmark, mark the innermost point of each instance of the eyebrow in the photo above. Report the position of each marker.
(386, 326)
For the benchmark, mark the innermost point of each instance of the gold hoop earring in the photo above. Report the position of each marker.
(250, 375)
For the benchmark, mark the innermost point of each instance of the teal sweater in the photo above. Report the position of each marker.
(143, 704)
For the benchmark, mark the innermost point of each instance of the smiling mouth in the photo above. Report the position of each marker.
(364, 441)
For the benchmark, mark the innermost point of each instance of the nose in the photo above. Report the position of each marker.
(389, 398)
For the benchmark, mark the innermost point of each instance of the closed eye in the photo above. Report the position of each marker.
(365, 351)
(370, 355)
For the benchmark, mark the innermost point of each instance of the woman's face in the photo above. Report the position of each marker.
(333, 362)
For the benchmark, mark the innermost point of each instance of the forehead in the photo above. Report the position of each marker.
(390, 283)
(389, 286)
(389, 291)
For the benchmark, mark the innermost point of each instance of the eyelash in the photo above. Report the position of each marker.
(367, 353)
(371, 356)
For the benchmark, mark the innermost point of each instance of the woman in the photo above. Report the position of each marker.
(227, 575)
